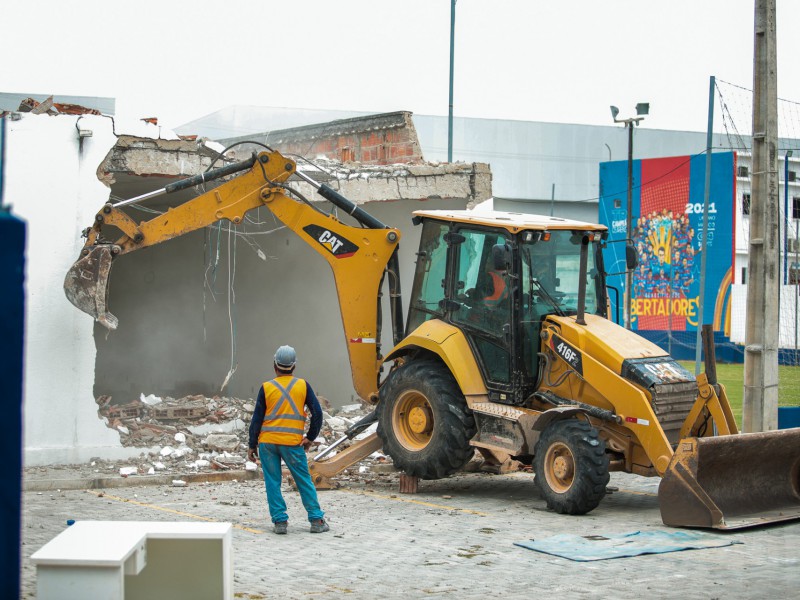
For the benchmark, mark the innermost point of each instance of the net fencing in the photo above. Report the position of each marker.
(736, 122)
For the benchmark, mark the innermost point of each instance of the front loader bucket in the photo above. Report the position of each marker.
(86, 284)
(733, 481)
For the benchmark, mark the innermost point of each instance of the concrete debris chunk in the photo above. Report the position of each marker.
(250, 466)
(178, 483)
(234, 425)
(181, 452)
(227, 461)
(150, 399)
(125, 471)
(222, 442)
(166, 451)
(177, 411)
(180, 438)
(336, 423)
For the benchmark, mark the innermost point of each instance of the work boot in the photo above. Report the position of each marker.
(319, 526)
(280, 527)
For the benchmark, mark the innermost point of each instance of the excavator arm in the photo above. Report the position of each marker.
(359, 256)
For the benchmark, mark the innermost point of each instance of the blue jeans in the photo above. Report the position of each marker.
(295, 458)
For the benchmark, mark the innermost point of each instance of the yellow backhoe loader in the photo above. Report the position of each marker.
(507, 349)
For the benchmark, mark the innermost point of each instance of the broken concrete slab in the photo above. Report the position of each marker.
(361, 184)
(222, 442)
(148, 157)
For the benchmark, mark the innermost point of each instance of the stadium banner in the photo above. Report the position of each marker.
(667, 223)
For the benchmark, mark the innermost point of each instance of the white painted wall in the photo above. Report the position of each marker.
(51, 183)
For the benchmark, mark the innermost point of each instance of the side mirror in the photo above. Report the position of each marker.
(454, 239)
(631, 258)
(501, 257)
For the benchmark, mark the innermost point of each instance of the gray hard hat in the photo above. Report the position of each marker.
(285, 357)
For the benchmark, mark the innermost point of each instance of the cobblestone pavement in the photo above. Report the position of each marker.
(454, 539)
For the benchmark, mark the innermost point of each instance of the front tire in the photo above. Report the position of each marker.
(571, 467)
(424, 421)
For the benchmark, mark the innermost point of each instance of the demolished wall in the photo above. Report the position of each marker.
(198, 307)
(198, 312)
(381, 139)
(52, 185)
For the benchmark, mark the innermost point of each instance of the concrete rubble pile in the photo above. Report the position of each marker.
(201, 434)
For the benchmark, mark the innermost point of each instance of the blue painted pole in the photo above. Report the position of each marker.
(2, 158)
(704, 252)
(12, 305)
(12, 269)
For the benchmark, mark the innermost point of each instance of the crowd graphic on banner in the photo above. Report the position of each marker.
(668, 230)
(668, 259)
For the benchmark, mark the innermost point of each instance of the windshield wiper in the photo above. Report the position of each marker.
(546, 295)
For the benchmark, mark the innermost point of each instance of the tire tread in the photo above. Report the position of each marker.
(449, 449)
(591, 467)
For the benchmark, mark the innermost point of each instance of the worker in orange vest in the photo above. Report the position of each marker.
(497, 293)
(276, 429)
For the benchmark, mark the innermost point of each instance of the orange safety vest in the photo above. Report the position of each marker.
(500, 292)
(284, 418)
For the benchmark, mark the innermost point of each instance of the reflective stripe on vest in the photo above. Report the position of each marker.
(284, 417)
(500, 292)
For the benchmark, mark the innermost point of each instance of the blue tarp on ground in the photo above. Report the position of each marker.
(602, 547)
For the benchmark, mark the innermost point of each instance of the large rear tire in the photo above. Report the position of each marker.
(571, 467)
(424, 422)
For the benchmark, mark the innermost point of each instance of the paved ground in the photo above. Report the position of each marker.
(454, 539)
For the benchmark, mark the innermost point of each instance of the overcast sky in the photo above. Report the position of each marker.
(556, 61)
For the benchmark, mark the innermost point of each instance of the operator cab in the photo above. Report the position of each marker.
(496, 277)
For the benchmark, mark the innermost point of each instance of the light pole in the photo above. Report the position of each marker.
(452, 57)
(642, 109)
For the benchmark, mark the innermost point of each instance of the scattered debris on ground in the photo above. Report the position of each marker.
(201, 434)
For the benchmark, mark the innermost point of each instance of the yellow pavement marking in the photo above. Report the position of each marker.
(169, 510)
(410, 501)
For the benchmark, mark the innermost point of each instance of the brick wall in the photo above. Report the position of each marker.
(383, 139)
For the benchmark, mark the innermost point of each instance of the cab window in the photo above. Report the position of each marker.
(429, 278)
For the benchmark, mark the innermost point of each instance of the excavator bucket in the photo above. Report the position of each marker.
(733, 481)
(86, 284)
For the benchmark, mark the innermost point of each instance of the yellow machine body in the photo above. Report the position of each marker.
(639, 410)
